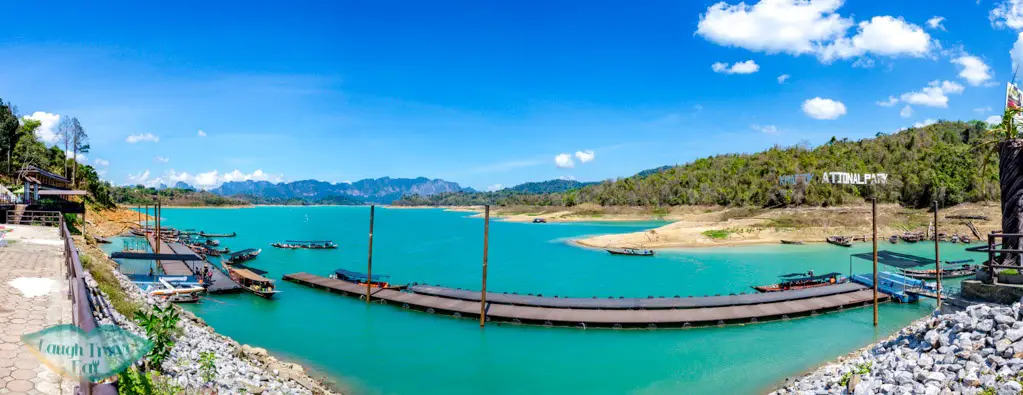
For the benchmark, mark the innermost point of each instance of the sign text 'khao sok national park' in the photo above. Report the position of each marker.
(835, 177)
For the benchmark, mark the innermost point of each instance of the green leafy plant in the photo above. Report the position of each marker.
(717, 233)
(208, 366)
(159, 325)
(862, 368)
(133, 381)
(1009, 272)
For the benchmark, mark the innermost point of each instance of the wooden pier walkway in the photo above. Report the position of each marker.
(780, 306)
(220, 281)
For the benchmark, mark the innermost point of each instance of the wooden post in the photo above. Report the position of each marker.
(486, 241)
(937, 260)
(369, 263)
(873, 206)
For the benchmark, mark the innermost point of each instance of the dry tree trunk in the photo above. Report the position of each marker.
(1010, 171)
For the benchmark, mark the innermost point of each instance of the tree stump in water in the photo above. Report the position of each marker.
(1010, 172)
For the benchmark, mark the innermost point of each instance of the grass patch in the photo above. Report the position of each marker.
(717, 234)
(104, 276)
(659, 211)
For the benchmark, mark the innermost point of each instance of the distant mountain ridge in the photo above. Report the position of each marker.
(379, 190)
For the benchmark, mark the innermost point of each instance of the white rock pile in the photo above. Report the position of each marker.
(240, 368)
(977, 351)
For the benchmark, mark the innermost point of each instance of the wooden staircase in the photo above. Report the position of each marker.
(21, 216)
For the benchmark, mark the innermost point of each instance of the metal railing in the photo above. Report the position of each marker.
(32, 217)
(81, 308)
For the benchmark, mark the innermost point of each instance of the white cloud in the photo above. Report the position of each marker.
(782, 78)
(890, 102)
(923, 123)
(773, 26)
(1016, 53)
(161, 159)
(214, 178)
(47, 131)
(567, 178)
(495, 187)
(1008, 14)
(973, 69)
(982, 110)
(827, 109)
(993, 120)
(202, 133)
(139, 178)
(933, 95)
(100, 162)
(564, 161)
(882, 35)
(746, 67)
(809, 27)
(585, 156)
(142, 137)
(935, 23)
(906, 112)
(81, 157)
(769, 129)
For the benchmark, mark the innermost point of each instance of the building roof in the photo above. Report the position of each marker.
(41, 172)
(62, 192)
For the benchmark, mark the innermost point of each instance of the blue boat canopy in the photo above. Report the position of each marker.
(348, 274)
(896, 259)
(812, 278)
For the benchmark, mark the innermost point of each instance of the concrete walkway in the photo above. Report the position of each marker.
(33, 296)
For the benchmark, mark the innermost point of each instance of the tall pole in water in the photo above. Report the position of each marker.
(873, 209)
(937, 261)
(486, 241)
(369, 264)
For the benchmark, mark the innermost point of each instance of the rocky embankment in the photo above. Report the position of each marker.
(240, 368)
(977, 351)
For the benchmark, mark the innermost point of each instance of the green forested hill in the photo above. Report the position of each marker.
(549, 186)
(937, 162)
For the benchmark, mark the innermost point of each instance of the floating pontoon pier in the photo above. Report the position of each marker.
(677, 312)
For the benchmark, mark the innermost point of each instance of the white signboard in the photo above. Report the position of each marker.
(835, 177)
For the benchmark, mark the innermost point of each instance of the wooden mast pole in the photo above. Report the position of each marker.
(486, 241)
(937, 260)
(873, 206)
(369, 263)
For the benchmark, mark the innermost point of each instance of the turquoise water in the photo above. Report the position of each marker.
(381, 349)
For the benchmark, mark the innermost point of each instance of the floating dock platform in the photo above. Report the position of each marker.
(191, 267)
(648, 313)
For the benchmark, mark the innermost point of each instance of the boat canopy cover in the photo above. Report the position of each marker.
(359, 276)
(308, 241)
(242, 252)
(896, 259)
(251, 276)
(257, 271)
(817, 277)
(958, 262)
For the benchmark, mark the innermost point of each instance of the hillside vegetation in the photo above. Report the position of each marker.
(940, 162)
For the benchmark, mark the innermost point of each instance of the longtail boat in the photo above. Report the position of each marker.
(894, 239)
(204, 234)
(795, 281)
(251, 280)
(305, 244)
(791, 242)
(841, 241)
(377, 281)
(630, 251)
(242, 256)
(965, 270)
(912, 237)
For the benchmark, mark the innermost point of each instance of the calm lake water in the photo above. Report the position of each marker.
(380, 349)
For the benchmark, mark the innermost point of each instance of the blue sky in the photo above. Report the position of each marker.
(491, 93)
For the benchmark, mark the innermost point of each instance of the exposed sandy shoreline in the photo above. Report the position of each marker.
(694, 226)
